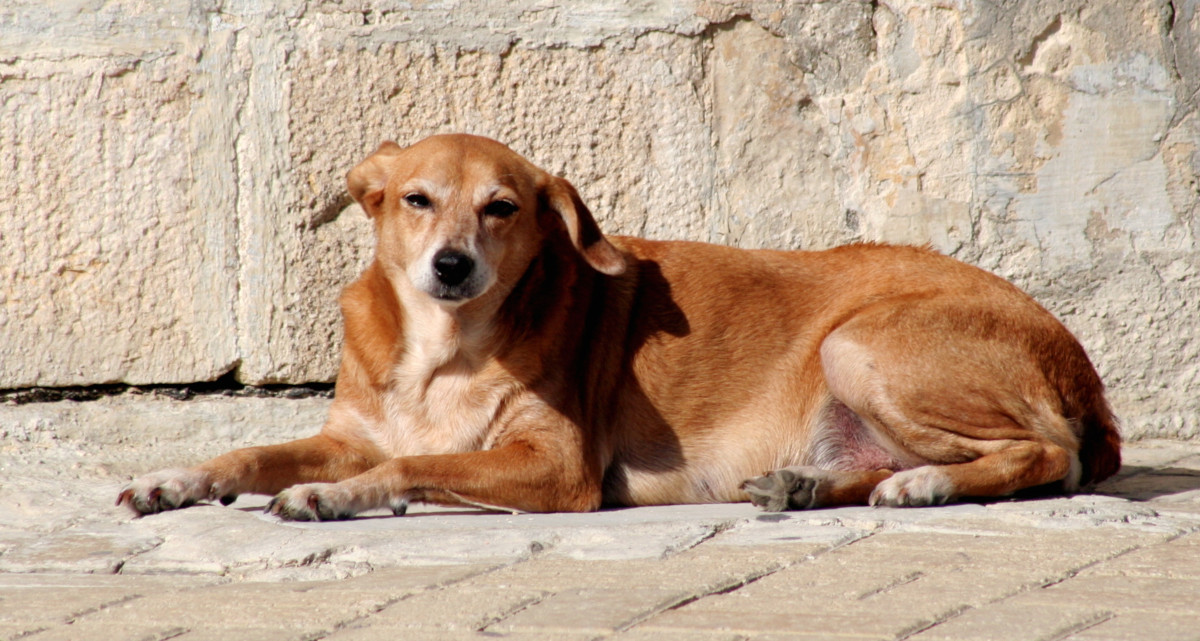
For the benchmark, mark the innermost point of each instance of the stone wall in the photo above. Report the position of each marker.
(172, 206)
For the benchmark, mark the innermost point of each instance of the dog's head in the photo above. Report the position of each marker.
(455, 214)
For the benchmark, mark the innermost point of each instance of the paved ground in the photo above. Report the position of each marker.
(1123, 563)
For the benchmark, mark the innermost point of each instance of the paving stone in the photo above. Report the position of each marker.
(10, 632)
(604, 597)
(1165, 487)
(676, 635)
(98, 548)
(404, 580)
(782, 618)
(1127, 626)
(1189, 463)
(889, 564)
(83, 630)
(897, 583)
(1177, 558)
(247, 605)
(1152, 594)
(1011, 620)
(1150, 455)
(354, 633)
(48, 599)
(702, 569)
(264, 632)
(466, 608)
(592, 610)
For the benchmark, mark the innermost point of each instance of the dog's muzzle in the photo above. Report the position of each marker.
(452, 276)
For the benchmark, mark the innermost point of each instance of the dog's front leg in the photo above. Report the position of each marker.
(251, 470)
(521, 475)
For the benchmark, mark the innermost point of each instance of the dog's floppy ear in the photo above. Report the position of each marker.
(584, 232)
(367, 180)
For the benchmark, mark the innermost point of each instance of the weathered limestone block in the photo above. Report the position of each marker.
(174, 208)
(117, 262)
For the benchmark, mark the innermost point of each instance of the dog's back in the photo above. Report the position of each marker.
(724, 375)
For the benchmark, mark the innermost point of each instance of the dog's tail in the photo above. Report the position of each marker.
(1072, 376)
(1100, 443)
(1082, 392)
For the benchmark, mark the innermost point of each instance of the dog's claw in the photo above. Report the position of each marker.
(165, 490)
(400, 507)
(315, 502)
(279, 506)
(151, 502)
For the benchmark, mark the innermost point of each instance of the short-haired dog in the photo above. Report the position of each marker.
(501, 351)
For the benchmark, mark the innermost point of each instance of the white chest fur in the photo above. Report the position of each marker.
(440, 402)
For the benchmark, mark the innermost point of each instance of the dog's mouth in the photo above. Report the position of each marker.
(455, 294)
(450, 297)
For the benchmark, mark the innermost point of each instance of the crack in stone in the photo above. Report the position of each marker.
(341, 625)
(1040, 39)
(911, 577)
(1075, 628)
(28, 633)
(524, 604)
(119, 567)
(713, 531)
(75, 616)
(731, 585)
(937, 620)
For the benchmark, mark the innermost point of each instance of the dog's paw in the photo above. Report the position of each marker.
(917, 487)
(170, 490)
(313, 502)
(791, 488)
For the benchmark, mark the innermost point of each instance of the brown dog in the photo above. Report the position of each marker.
(501, 352)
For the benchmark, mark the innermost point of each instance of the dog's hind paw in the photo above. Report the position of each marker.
(918, 487)
(313, 502)
(170, 490)
(791, 488)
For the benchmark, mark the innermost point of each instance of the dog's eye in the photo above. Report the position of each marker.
(420, 201)
(500, 209)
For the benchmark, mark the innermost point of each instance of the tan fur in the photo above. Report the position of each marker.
(570, 370)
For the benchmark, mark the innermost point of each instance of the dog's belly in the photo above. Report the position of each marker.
(706, 465)
(629, 485)
(841, 440)
(711, 468)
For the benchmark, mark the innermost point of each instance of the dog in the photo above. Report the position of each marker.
(501, 352)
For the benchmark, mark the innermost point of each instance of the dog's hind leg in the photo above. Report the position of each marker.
(806, 487)
(963, 397)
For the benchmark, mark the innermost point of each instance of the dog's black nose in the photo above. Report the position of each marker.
(452, 267)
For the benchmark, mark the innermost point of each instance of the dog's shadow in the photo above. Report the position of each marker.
(1143, 483)
(1132, 482)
